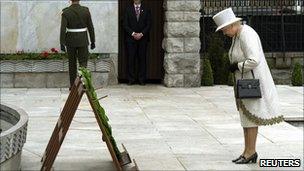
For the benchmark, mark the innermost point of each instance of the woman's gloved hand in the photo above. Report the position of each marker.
(93, 45)
(233, 67)
(62, 47)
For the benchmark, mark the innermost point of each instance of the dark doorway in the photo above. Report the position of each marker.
(155, 53)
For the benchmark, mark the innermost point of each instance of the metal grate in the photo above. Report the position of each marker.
(279, 23)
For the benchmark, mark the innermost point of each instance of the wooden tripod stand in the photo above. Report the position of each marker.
(64, 122)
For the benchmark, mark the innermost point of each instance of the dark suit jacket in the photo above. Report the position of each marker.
(143, 25)
(73, 17)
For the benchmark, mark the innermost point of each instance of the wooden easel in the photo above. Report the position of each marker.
(63, 124)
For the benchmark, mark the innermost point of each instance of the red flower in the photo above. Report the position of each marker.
(19, 52)
(45, 54)
(54, 50)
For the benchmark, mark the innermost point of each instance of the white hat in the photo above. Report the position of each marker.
(224, 18)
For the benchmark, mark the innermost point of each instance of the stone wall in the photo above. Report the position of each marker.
(281, 67)
(34, 25)
(182, 43)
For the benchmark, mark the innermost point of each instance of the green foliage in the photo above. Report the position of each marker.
(207, 77)
(297, 75)
(219, 59)
(225, 72)
(230, 80)
(87, 81)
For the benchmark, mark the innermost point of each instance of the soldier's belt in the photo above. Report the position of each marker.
(76, 30)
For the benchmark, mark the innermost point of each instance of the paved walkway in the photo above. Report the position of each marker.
(162, 128)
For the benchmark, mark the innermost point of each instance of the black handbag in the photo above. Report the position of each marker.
(248, 88)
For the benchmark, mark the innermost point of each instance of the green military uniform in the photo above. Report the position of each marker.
(75, 22)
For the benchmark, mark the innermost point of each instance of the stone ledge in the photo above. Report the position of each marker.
(287, 54)
(100, 65)
(34, 80)
(53, 73)
(6, 80)
(47, 79)
(288, 62)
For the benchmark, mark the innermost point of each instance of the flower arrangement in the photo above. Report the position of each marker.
(51, 54)
(54, 50)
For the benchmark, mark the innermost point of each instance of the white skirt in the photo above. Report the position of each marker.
(245, 122)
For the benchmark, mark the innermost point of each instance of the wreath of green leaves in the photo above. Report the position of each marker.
(86, 79)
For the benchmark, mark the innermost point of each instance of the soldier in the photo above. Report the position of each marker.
(75, 22)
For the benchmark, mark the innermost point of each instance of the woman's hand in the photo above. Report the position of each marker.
(233, 67)
(93, 45)
(62, 47)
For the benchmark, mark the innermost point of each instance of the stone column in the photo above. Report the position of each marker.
(182, 43)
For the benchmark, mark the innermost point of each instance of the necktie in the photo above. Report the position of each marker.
(137, 10)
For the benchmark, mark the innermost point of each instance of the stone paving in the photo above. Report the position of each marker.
(162, 128)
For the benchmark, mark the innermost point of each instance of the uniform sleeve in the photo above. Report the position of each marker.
(251, 47)
(63, 26)
(91, 28)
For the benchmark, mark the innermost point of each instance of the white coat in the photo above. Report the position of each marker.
(246, 47)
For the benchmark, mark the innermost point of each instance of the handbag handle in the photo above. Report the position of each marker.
(243, 70)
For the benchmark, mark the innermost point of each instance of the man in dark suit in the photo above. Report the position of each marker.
(137, 24)
(75, 22)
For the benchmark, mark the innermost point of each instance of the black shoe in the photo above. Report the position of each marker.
(253, 158)
(241, 156)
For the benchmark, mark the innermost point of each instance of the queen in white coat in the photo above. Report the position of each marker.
(246, 49)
